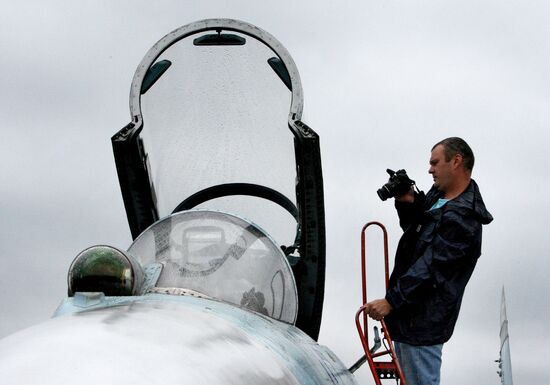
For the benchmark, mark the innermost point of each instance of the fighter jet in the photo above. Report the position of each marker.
(222, 186)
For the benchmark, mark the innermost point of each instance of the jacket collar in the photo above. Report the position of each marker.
(470, 202)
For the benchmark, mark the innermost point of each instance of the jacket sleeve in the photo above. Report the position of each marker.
(446, 249)
(410, 213)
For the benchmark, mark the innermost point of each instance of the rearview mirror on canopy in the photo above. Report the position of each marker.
(219, 39)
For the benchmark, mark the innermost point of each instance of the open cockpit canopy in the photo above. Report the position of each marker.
(218, 116)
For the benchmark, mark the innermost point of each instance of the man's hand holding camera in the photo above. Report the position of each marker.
(400, 187)
(408, 197)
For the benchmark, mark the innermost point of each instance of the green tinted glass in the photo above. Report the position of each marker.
(102, 269)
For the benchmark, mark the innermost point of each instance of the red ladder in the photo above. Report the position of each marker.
(381, 370)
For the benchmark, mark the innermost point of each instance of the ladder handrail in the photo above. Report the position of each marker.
(376, 366)
(363, 263)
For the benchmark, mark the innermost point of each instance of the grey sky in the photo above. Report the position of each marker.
(383, 81)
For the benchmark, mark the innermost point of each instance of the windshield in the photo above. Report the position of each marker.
(222, 256)
(218, 114)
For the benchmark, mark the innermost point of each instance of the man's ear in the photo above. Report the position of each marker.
(458, 161)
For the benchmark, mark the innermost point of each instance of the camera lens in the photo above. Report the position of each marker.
(384, 193)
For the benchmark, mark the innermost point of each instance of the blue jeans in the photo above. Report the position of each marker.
(421, 364)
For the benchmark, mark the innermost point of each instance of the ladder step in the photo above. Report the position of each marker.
(385, 369)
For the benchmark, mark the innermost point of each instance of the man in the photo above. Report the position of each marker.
(434, 261)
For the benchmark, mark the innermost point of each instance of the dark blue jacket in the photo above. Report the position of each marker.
(434, 261)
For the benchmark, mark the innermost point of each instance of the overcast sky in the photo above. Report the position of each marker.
(383, 81)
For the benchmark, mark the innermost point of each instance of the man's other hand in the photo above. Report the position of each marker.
(378, 309)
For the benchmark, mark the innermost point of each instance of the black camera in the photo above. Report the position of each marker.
(398, 185)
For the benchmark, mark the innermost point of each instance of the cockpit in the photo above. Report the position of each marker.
(216, 128)
(221, 256)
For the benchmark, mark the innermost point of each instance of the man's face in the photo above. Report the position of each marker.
(441, 170)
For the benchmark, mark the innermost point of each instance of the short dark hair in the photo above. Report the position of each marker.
(453, 146)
